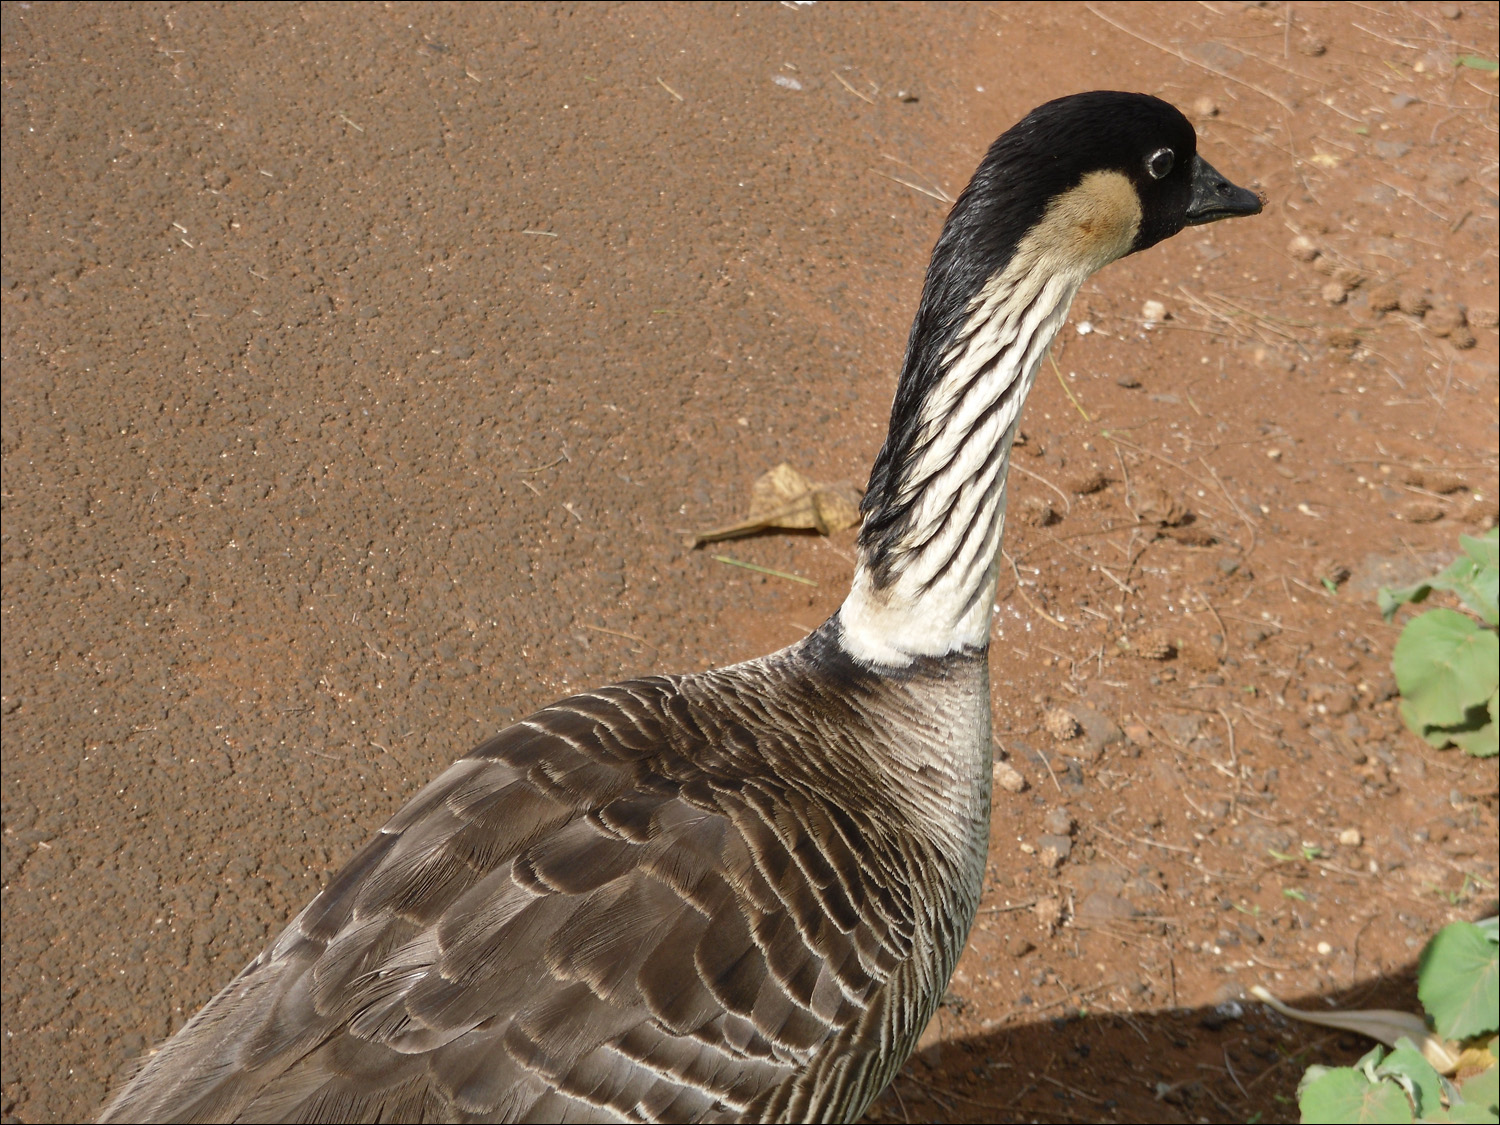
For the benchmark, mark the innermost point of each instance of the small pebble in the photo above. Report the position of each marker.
(1221, 1014)
(1351, 838)
(1007, 777)
(1324, 949)
(1334, 293)
(1058, 823)
(1153, 312)
(1053, 850)
(1205, 107)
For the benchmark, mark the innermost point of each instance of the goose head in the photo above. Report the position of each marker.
(1078, 183)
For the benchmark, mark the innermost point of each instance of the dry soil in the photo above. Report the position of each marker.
(365, 368)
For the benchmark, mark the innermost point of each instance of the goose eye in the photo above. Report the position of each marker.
(1159, 163)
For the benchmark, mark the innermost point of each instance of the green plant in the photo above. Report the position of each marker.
(1447, 664)
(1458, 982)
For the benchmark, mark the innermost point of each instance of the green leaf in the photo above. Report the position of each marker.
(1482, 592)
(1415, 1074)
(1482, 743)
(1445, 665)
(1474, 577)
(1481, 1097)
(1343, 1094)
(1458, 981)
(1476, 62)
(1483, 549)
(1389, 600)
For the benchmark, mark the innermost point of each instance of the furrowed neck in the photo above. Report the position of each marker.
(924, 585)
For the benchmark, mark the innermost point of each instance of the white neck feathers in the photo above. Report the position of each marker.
(941, 596)
(933, 592)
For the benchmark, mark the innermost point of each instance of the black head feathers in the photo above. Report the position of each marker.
(1126, 170)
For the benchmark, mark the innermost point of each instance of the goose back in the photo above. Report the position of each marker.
(733, 895)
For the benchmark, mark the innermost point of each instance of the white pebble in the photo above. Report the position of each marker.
(1007, 777)
(1154, 312)
(1324, 949)
(1351, 838)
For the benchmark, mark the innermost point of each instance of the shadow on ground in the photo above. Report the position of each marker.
(1231, 1062)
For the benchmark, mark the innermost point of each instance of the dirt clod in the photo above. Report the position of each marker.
(1414, 302)
(1154, 645)
(1444, 320)
(1087, 481)
(1302, 248)
(1061, 725)
(1419, 511)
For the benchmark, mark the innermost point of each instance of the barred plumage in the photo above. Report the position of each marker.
(736, 895)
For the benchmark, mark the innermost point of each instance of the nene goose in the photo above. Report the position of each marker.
(736, 895)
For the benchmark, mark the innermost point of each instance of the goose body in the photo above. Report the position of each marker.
(736, 895)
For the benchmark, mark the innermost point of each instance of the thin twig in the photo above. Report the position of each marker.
(542, 468)
(1142, 841)
(1020, 589)
(1028, 904)
(914, 187)
(1261, 90)
(617, 633)
(851, 89)
(942, 194)
(1066, 389)
(1067, 504)
(763, 569)
(1223, 631)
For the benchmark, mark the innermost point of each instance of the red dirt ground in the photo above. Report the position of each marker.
(365, 367)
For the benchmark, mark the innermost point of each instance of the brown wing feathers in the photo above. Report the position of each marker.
(577, 922)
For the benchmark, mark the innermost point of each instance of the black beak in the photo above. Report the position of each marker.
(1215, 198)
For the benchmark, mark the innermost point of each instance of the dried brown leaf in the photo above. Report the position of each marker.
(784, 498)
